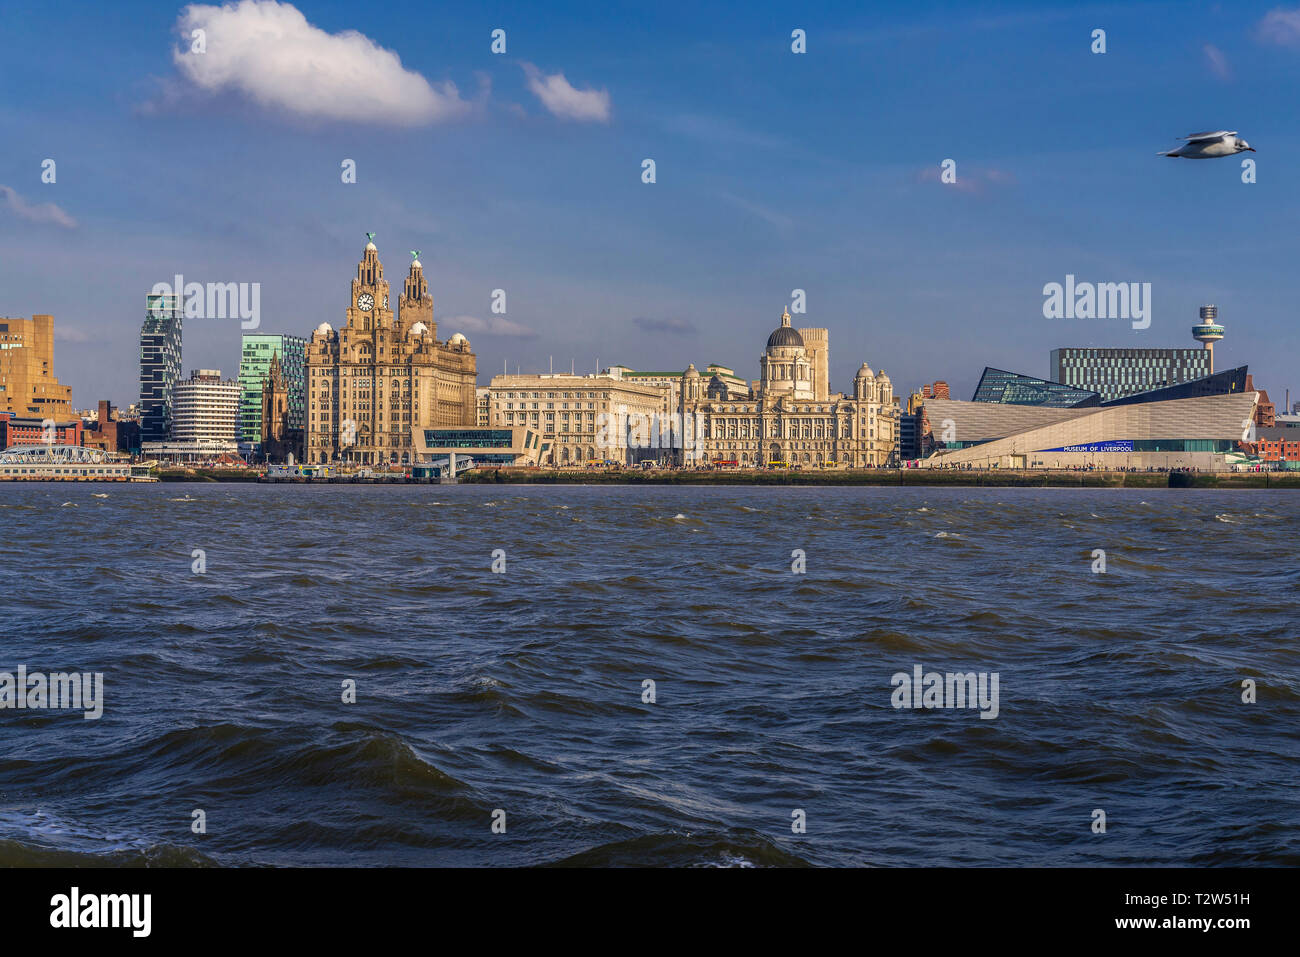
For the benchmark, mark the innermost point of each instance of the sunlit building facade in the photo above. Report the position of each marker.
(790, 419)
(385, 374)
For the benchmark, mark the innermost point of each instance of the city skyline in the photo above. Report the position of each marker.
(723, 435)
(794, 171)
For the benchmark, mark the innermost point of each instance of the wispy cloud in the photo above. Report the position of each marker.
(564, 100)
(269, 53)
(491, 326)
(1217, 61)
(721, 130)
(969, 180)
(41, 213)
(674, 327)
(757, 209)
(1280, 26)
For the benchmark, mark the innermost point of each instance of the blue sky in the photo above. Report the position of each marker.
(775, 171)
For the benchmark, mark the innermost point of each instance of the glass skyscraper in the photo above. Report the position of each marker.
(255, 366)
(160, 365)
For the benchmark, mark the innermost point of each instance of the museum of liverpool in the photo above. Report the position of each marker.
(1022, 422)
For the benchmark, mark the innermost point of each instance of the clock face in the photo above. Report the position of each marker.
(385, 302)
(365, 302)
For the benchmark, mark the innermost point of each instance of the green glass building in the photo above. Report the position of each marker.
(255, 366)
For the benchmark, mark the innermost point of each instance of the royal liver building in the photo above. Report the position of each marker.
(790, 417)
(384, 374)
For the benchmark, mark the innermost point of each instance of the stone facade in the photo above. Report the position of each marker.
(790, 418)
(383, 375)
(28, 386)
(583, 418)
(670, 384)
(279, 437)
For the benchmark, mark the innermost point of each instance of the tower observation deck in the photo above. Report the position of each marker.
(1208, 331)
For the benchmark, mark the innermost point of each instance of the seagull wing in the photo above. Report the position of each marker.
(1216, 135)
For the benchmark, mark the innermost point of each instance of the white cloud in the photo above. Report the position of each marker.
(1218, 62)
(268, 52)
(759, 210)
(491, 326)
(565, 101)
(67, 334)
(1281, 27)
(969, 180)
(42, 213)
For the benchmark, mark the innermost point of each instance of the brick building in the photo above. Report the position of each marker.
(1278, 450)
(111, 433)
(20, 430)
(1265, 411)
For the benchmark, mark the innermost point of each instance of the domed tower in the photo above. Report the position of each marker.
(691, 384)
(884, 389)
(785, 367)
(692, 391)
(864, 383)
(716, 390)
(416, 305)
(1208, 331)
(420, 337)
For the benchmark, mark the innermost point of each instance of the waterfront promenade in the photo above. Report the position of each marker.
(1008, 478)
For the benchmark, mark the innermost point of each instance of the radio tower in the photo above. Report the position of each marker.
(1208, 331)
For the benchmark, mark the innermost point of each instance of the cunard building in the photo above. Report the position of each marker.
(790, 417)
(384, 373)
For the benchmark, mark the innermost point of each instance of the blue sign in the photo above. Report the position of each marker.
(1119, 445)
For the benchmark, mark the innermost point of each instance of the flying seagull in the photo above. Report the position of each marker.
(1210, 145)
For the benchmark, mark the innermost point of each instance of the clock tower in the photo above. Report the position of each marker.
(382, 376)
(369, 309)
